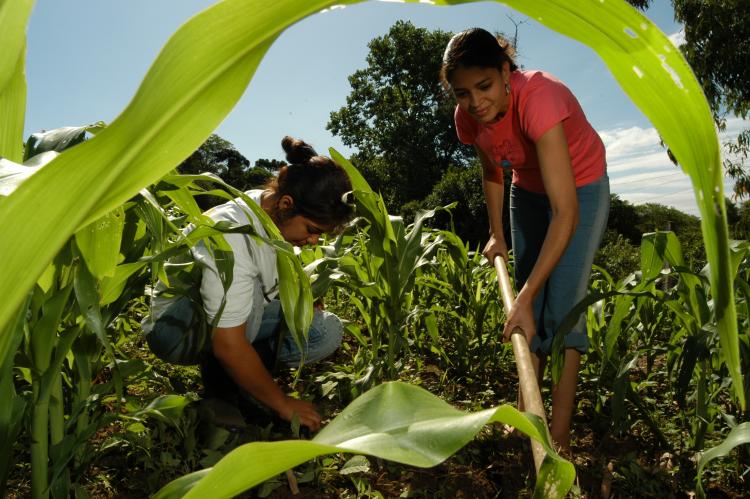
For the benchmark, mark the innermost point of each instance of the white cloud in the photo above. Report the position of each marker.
(639, 160)
(678, 38)
(623, 141)
(640, 170)
(649, 179)
(734, 126)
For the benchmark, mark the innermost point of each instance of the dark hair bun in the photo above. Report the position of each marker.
(297, 151)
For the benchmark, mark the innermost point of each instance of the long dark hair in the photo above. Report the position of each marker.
(316, 184)
(476, 47)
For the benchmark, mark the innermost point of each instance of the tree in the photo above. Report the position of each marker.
(741, 226)
(717, 47)
(618, 256)
(399, 117)
(219, 156)
(469, 218)
(623, 218)
(653, 216)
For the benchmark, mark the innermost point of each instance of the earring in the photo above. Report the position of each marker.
(507, 88)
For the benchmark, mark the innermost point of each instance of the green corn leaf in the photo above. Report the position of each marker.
(184, 199)
(12, 113)
(623, 302)
(58, 139)
(664, 246)
(656, 247)
(739, 435)
(14, 15)
(296, 297)
(411, 248)
(394, 421)
(99, 243)
(695, 347)
(12, 174)
(87, 297)
(181, 486)
(358, 181)
(44, 332)
(112, 287)
(739, 251)
(167, 408)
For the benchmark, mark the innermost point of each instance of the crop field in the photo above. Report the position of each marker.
(420, 400)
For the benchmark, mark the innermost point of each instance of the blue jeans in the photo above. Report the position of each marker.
(323, 337)
(530, 216)
(263, 324)
(178, 333)
(261, 330)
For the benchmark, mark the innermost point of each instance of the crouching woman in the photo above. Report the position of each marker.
(304, 201)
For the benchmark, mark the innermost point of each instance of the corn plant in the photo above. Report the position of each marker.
(394, 421)
(379, 272)
(461, 292)
(738, 435)
(64, 340)
(694, 358)
(667, 312)
(619, 317)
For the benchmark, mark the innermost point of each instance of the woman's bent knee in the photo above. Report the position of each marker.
(326, 333)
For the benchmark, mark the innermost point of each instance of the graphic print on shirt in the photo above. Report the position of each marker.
(507, 154)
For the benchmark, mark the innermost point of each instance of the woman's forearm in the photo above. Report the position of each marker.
(493, 195)
(245, 367)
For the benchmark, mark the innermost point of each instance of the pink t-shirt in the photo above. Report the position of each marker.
(538, 101)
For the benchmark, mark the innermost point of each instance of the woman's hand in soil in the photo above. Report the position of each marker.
(308, 414)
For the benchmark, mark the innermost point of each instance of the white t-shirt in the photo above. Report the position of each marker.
(254, 263)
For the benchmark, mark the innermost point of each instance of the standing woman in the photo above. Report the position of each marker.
(304, 201)
(531, 123)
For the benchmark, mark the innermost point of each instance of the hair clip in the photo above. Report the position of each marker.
(348, 198)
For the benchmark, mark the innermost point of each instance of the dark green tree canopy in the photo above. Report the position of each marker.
(717, 46)
(399, 117)
(219, 156)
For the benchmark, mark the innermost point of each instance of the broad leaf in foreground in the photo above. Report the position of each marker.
(394, 421)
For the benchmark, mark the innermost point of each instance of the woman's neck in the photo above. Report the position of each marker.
(267, 202)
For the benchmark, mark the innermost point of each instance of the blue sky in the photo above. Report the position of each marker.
(87, 57)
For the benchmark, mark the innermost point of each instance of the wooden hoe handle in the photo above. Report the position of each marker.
(532, 398)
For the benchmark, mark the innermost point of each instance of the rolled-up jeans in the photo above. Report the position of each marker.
(530, 216)
(263, 324)
(167, 335)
